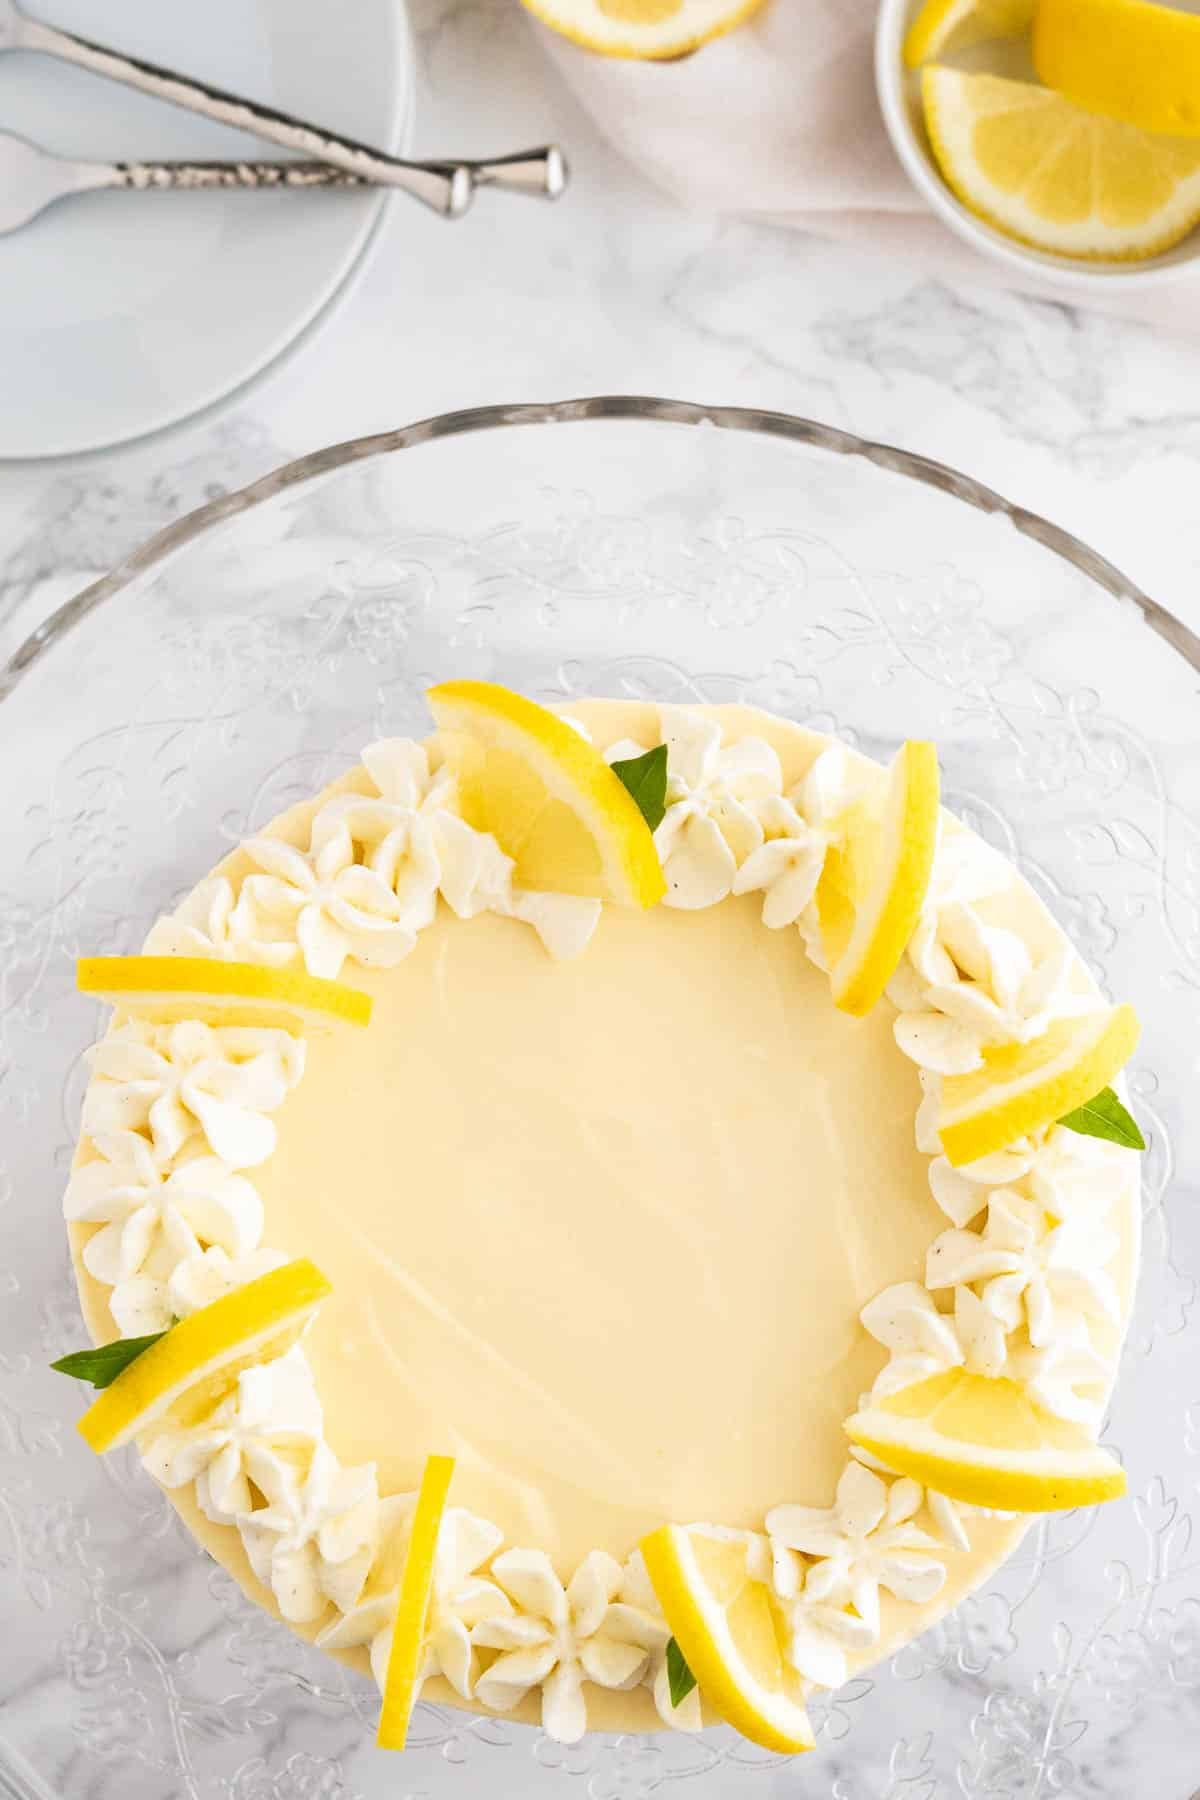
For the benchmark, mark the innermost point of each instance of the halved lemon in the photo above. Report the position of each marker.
(981, 1439)
(546, 795)
(200, 1358)
(650, 29)
(729, 1632)
(1041, 169)
(400, 1686)
(1022, 1087)
(873, 886)
(167, 988)
(1128, 59)
(943, 25)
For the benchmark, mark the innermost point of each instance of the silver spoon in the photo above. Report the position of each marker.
(31, 179)
(447, 187)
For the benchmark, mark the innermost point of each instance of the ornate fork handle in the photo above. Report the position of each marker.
(143, 176)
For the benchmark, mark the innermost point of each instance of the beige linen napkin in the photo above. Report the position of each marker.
(778, 122)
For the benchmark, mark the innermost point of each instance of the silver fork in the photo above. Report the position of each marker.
(31, 179)
(445, 186)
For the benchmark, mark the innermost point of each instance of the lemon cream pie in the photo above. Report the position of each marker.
(615, 1216)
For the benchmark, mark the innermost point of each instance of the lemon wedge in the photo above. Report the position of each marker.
(1128, 59)
(166, 988)
(1041, 169)
(650, 29)
(1022, 1087)
(943, 25)
(401, 1683)
(728, 1630)
(980, 1439)
(876, 876)
(546, 795)
(200, 1357)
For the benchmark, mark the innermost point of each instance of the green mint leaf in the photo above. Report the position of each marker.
(646, 779)
(1105, 1117)
(680, 1677)
(102, 1366)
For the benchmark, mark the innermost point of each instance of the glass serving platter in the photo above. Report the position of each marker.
(620, 546)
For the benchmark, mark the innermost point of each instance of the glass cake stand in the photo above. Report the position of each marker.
(239, 661)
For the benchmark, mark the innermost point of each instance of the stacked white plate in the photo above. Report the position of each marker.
(122, 313)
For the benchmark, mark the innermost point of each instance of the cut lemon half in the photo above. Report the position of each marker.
(546, 795)
(200, 1358)
(650, 29)
(728, 1630)
(1041, 169)
(167, 988)
(981, 1439)
(943, 25)
(1022, 1087)
(402, 1682)
(873, 887)
(1128, 59)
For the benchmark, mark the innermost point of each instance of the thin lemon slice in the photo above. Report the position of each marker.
(166, 988)
(546, 795)
(727, 1628)
(982, 1440)
(1126, 58)
(412, 1608)
(1022, 1087)
(1041, 169)
(650, 29)
(871, 894)
(200, 1357)
(943, 25)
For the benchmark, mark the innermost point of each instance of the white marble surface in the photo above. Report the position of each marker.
(1095, 423)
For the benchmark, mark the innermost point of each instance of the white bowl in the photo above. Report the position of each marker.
(900, 102)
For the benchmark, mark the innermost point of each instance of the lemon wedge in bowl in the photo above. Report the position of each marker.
(1042, 170)
(1128, 59)
(647, 29)
(981, 1439)
(546, 795)
(163, 989)
(402, 1681)
(876, 877)
(725, 1623)
(200, 1358)
(949, 25)
(1022, 1087)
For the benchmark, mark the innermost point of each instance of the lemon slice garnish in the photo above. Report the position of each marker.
(546, 795)
(728, 1630)
(199, 1358)
(955, 24)
(1041, 169)
(642, 28)
(982, 1440)
(167, 988)
(873, 887)
(1125, 58)
(1022, 1087)
(401, 1683)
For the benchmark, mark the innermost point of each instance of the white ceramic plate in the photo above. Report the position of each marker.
(123, 313)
